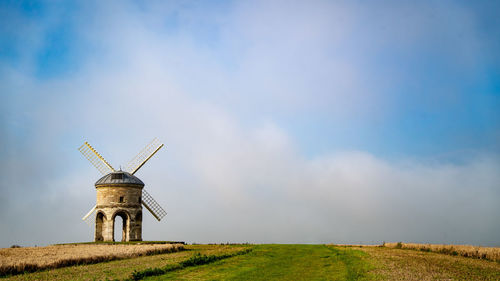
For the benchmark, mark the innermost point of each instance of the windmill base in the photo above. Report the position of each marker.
(105, 224)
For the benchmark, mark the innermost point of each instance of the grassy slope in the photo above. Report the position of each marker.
(291, 262)
(122, 269)
(282, 262)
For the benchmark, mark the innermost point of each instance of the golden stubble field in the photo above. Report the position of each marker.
(16, 260)
(415, 265)
(485, 253)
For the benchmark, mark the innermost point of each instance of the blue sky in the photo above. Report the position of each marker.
(432, 102)
(259, 103)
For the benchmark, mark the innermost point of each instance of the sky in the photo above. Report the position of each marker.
(283, 121)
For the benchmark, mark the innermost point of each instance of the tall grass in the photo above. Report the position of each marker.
(487, 253)
(21, 260)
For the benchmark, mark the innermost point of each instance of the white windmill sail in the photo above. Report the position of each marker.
(96, 159)
(135, 164)
(153, 207)
(140, 159)
(90, 220)
(102, 166)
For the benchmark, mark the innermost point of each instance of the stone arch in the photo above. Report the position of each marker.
(126, 224)
(100, 219)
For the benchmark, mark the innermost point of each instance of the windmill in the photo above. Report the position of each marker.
(120, 193)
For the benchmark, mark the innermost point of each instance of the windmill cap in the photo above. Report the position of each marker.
(119, 178)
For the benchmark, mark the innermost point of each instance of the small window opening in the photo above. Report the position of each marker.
(121, 199)
(116, 176)
(139, 199)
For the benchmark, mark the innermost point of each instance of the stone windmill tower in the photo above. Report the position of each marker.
(120, 193)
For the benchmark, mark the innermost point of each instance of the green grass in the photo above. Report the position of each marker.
(195, 260)
(281, 262)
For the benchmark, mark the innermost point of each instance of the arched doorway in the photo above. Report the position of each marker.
(99, 222)
(125, 225)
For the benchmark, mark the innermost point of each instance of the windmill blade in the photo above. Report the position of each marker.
(96, 159)
(153, 207)
(140, 159)
(88, 218)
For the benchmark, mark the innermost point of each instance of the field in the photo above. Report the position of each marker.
(14, 260)
(487, 253)
(405, 264)
(279, 262)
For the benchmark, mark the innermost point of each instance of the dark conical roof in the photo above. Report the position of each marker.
(119, 177)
